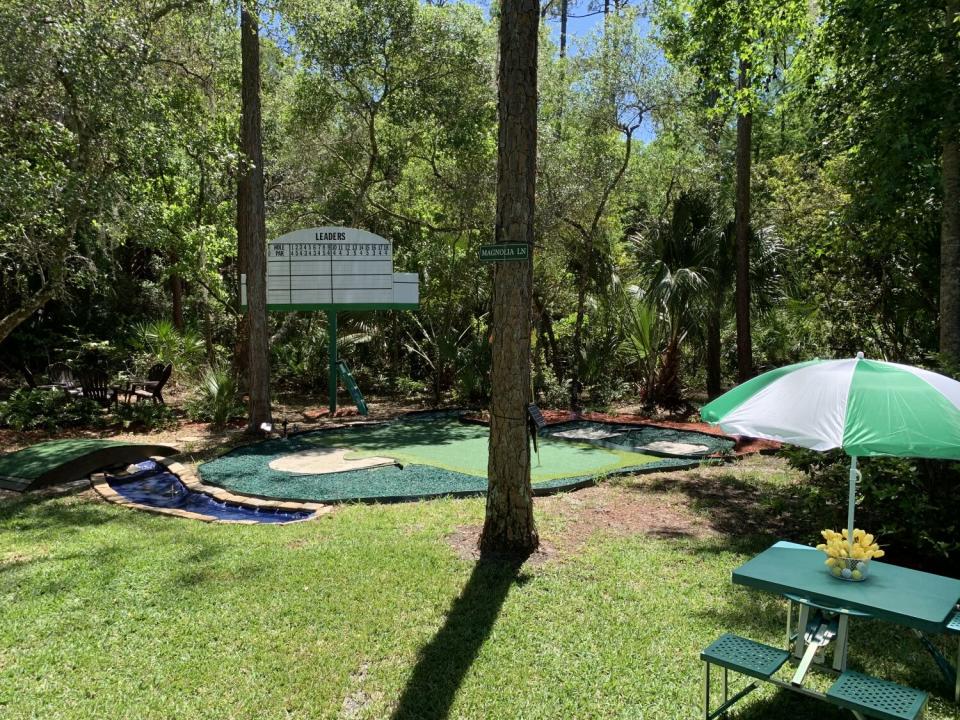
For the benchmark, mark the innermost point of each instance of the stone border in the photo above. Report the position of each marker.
(189, 478)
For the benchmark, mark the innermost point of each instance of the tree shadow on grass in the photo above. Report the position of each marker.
(445, 660)
(39, 514)
(739, 508)
(785, 704)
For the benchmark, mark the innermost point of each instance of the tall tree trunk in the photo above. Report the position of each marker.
(546, 323)
(251, 227)
(714, 375)
(744, 134)
(576, 382)
(564, 13)
(950, 168)
(176, 300)
(509, 527)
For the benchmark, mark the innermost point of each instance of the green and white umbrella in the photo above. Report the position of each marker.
(865, 407)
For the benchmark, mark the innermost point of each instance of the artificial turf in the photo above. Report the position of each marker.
(64, 460)
(439, 456)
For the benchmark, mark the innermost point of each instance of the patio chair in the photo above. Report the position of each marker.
(61, 374)
(153, 389)
(28, 376)
(95, 385)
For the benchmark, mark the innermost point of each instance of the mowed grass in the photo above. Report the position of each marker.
(369, 613)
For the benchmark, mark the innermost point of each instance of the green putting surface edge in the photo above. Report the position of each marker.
(452, 447)
(57, 461)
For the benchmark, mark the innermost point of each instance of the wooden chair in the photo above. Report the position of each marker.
(95, 385)
(28, 376)
(153, 389)
(61, 374)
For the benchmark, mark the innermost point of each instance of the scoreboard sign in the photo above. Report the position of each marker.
(335, 268)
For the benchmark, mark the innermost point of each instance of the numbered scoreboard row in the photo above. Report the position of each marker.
(326, 266)
(329, 297)
(325, 282)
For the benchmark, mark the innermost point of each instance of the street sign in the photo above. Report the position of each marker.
(509, 251)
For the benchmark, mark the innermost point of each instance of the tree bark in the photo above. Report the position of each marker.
(576, 382)
(564, 12)
(509, 527)
(251, 225)
(12, 320)
(714, 375)
(950, 169)
(744, 134)
(176, 300)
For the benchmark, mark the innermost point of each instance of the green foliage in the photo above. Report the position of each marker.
(145, 416)
(910, 504)
(549, 391)
(49, 410)
(217, 398)
(160, 342)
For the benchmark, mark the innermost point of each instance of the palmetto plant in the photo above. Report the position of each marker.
(160, 341)
(687, 263)
(678, 262)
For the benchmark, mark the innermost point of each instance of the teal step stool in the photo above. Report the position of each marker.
(876, 698)
(744, 656)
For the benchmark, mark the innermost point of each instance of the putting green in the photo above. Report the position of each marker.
(451, 445)
(439, 455)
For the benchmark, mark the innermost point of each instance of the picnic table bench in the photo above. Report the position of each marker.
(922, 602)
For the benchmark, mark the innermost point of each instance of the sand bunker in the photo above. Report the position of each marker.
(318, 461)
(674, 448)
(586, 433)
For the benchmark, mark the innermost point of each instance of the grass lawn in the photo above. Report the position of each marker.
(371, 613)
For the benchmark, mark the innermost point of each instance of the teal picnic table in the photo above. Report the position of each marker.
(923, 602)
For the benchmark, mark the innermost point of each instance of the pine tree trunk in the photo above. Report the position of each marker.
(576, 382)
(744, 135)
(176, 301)
(950, 222)
(564, 13)
(251, 227)
(509, 527)
(714, 375)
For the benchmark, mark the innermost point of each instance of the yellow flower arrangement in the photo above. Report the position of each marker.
(846, 560)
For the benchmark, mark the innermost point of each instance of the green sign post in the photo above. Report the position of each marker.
(352, 387)
(505, 252)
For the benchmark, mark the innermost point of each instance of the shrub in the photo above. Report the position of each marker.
(217, 399)
(550, 392)
(909, 503)
(145, 416)
(30, 409)
(160, 342)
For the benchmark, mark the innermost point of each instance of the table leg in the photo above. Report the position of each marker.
(789, 623)
(799, 645)
(840, 649)
(706, 691)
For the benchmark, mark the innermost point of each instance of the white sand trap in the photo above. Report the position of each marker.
(318, 461)
(675, 448)
(586, 434)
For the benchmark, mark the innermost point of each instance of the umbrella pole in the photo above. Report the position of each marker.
(852, 499)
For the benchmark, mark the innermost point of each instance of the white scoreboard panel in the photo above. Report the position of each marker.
(334, 267)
